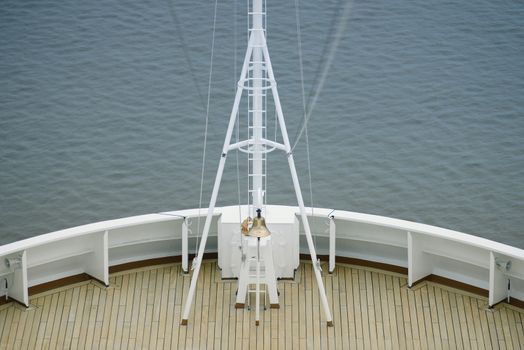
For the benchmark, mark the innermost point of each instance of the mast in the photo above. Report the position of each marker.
(256, 105)
(257, 79)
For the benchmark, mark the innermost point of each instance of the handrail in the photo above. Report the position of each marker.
(425, 229)
(424, 249)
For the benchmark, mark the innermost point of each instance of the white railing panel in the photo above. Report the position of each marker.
(371, 233)
(420, 264)
(156, 231)
(60, 250)
(454, 250)
(97, 264)
(459, 271)
(143, 251)
(56, 269)
(381, 253)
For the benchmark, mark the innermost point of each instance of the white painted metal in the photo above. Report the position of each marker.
(18, 287)
(257, 291)
(185, 260)
(97, 262)
(419, 262)
(214, 194)
(284, 227)
(298, 191)
(265, 259)
(498, 280)
(332, 243)
(269, 271)
(256, 107)
(364, 236)
(307, 229)
(211, 208)
(258, 64)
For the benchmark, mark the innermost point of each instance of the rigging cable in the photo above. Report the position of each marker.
(301, 67)
(207, 123)
(185, 50)
(331, 55)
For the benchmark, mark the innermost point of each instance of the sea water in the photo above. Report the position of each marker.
(420, 116)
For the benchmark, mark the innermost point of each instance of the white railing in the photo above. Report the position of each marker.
(422, 249)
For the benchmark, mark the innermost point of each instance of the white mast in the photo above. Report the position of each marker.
(257, 105)
(257, 78)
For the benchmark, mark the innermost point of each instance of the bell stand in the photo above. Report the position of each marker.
(246, 278)
(256, 76)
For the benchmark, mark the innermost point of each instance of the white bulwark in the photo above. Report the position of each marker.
(472, 260)
(284, 227)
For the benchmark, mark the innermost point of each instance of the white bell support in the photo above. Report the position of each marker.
(257, 269)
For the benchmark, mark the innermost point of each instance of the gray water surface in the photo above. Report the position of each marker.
(102, 110)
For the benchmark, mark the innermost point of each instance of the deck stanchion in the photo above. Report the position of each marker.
(184, 246)
(498, 279)
(419, 263)
(97, 264)
(332, 243)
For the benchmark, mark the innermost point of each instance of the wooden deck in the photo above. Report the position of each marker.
(372, 309)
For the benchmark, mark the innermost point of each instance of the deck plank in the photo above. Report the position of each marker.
(12, 327)
(371, 309)
(81, 342)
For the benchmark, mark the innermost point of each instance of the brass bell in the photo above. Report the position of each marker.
(259, 228)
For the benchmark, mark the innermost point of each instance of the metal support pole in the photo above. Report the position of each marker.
(332, 243)
(257, 292)
(309, 239)
(184, 246)
(257, 106)
(296, 184)
(211, 209)
(198, 259)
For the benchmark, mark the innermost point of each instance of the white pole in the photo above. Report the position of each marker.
(184, 246)
(232, 119)
(211, 209)
(257, 292)
(257, 105)
(307, 229)
(332, 243)
(300, 200)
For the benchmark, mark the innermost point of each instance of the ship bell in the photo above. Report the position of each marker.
(259, 228)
